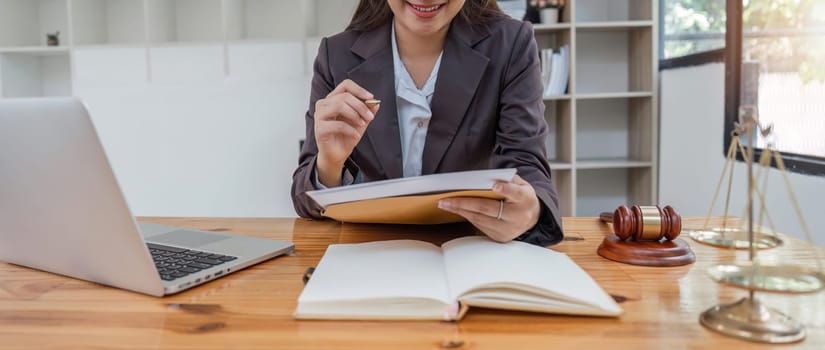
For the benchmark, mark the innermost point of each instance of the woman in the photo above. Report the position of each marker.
(460, 89)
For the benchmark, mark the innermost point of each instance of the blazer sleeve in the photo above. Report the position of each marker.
(522, 131)
(302, 178)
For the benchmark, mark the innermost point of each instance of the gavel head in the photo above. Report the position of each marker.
(647, 223)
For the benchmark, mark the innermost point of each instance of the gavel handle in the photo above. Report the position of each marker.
(606, 217)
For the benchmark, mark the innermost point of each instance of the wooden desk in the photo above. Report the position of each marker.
(253, 308)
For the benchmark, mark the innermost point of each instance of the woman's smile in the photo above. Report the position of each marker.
(425, 10)
(424, 17)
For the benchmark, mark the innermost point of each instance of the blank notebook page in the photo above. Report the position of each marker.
(476, 261)
(385, 269)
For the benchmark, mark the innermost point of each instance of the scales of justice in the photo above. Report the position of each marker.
(749, 318)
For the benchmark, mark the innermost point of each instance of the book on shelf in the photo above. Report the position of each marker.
(415, 280)
(555, 70)
(408, 200)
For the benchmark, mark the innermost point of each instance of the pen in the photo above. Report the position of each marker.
(308, 274)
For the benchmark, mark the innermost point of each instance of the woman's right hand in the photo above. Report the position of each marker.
(341, 118)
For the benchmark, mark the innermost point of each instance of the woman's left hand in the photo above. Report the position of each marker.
(501, 220)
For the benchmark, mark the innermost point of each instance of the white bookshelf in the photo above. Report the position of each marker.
(602, 147)
(166, 42)
(24, 23)
(27, 66)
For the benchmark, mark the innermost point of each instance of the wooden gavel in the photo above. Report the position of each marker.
(644, 223)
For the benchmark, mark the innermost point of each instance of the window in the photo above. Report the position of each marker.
(776, 64)
(691, 27)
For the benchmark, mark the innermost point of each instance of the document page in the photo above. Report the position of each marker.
(379, 270)
(464, 180)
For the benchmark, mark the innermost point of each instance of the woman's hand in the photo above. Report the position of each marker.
(501, 220)
(341, 119)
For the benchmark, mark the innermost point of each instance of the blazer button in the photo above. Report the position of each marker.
(421, 124)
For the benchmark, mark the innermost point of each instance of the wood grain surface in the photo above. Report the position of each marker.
(252, 309)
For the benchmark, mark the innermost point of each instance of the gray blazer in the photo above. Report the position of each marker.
(487, 111)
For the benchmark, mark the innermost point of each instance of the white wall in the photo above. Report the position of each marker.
(691, 155)
(214, 146)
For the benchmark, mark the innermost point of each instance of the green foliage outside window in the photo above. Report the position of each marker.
(793, 37)
(703, 18)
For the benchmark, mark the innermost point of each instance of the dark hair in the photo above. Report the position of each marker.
(371, 14)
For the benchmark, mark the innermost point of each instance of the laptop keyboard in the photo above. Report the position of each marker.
(173, 263)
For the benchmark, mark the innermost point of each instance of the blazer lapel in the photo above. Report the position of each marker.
(376, 74)
(458, 77)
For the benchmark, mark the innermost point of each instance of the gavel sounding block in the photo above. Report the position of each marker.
(647, 236)
(663, 253)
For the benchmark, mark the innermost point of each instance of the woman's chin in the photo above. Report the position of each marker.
(424, 28)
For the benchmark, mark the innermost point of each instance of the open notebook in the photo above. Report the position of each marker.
(407, 279)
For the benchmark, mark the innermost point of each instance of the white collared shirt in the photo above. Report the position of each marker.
(413, 108)
(414, 113)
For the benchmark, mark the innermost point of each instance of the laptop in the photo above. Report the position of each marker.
(62, 211)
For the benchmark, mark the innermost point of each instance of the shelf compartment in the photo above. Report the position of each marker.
(603, 190)
(558, 115)
(173, 21)
(26, 22)
(554, 40)
(614, 61)
(613, 10)
(33, 75)
(264, 19)
(108, 22)
(614, 128)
